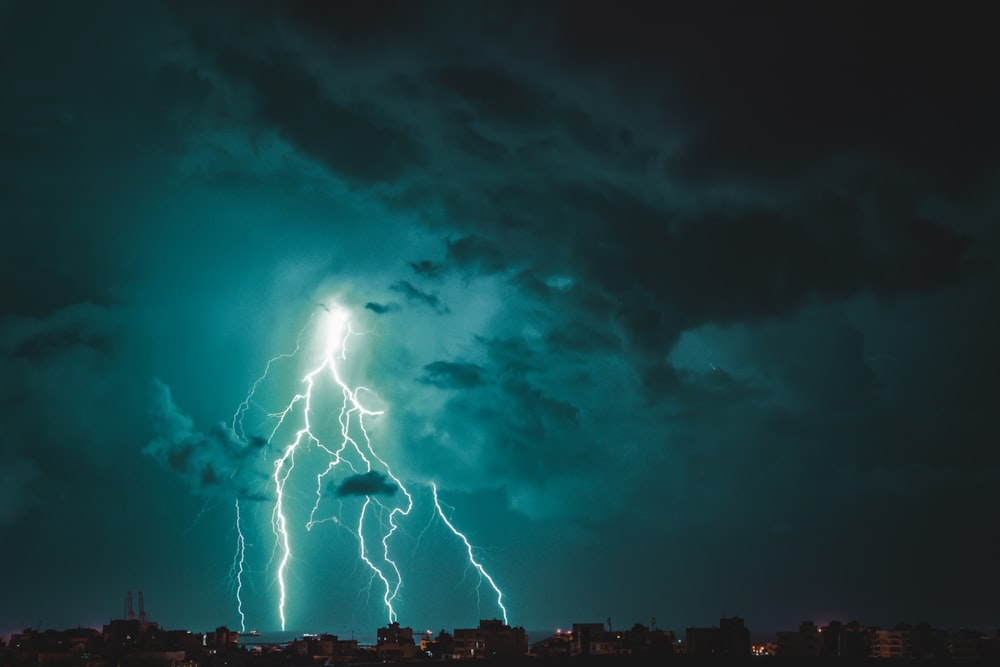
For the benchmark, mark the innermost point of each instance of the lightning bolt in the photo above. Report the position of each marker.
(378, 520)
(353, 412)
(238, 564)
(278, 518)
(483, 574)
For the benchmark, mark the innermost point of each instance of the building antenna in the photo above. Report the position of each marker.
(142, 610)
(129, 614)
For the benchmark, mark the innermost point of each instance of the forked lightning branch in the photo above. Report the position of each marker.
(350, 456)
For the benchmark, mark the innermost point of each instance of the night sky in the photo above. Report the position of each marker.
(687, 312)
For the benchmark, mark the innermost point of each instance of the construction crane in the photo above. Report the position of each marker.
(129, 614)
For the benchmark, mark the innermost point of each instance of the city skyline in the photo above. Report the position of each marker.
(729, 636)
(352, 312)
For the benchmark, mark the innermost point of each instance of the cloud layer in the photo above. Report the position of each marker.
(696, 290)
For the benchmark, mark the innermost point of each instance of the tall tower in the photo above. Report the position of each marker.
(129, 614)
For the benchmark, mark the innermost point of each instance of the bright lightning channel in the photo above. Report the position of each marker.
(354, 441)
(238, 565)
(483, 574)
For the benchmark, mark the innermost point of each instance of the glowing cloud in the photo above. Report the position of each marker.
(292, 431)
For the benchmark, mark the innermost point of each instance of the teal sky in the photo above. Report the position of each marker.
(685, 312)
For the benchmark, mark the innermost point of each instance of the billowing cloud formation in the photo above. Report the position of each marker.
(381, 308)
(216, 463)
(414, 295)
(371, 483)
(733, 267)
(453, 375)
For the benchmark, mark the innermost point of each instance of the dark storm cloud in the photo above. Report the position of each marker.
(536, 404)
(736, 265)
(494, 102)
(524, 432)
(381, 308)
(661, 270)
(769, 91)
(476, 252)
(694, 394)
(427, 268)
(52, 288)
(453, 375)
(495, 96)
(351, 142)
(216, 463)
(733, 266)
(371, 483)
(414, 295)
(47, 343)
(360, 24)
(70, 133)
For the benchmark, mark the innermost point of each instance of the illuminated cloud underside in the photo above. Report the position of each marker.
(292, 429)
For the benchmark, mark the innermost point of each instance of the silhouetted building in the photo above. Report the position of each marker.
(584, 636)
(971, 645)
(640, 640)
(731, 638)
(223, 638)
(49, 648)
(894, 643)
(846, 641)
(396, 643)
(123, 634)
(807, 642)
(734, 636)
(139, 642)
(702, 641)
(930, 643)
(559, 644)
(492, 639)
(963, 645)
(342, 650)
(441, 647)
(323, 646)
